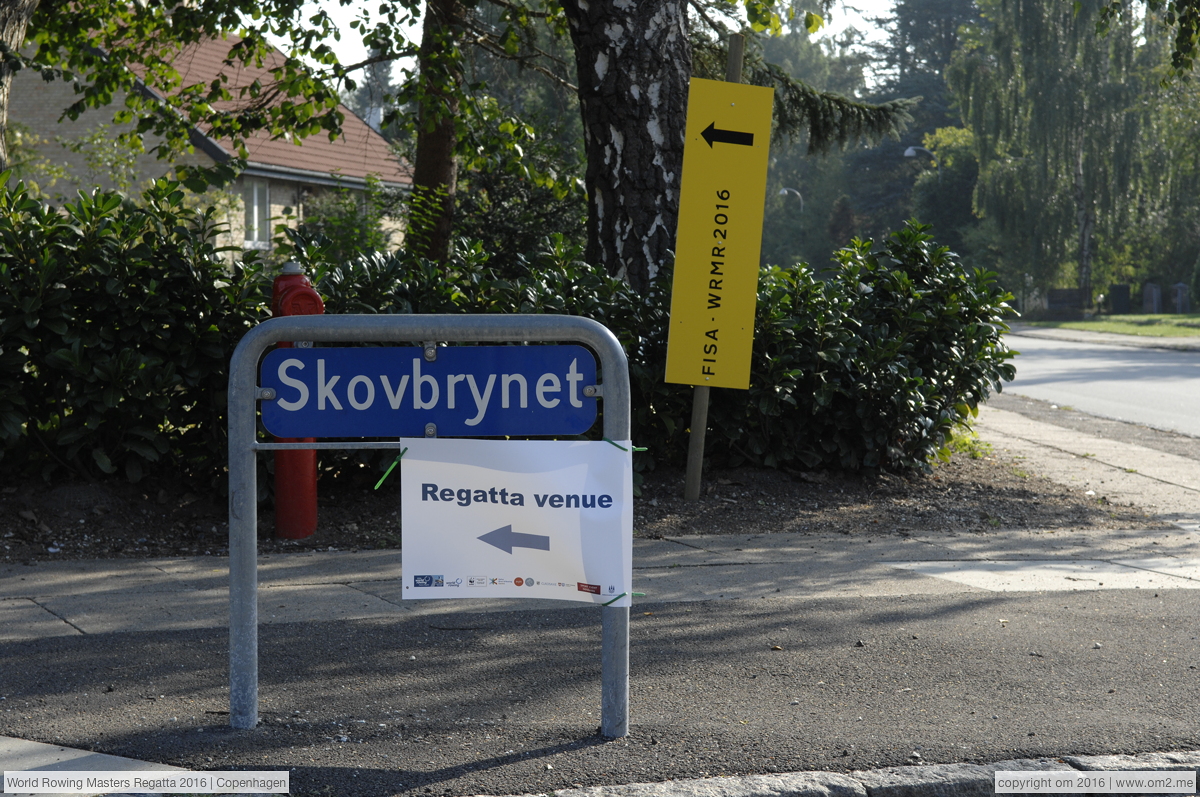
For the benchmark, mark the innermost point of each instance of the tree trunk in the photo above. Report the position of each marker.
(634, 61)
(1085, 218)
(435, 173)
(14, 21)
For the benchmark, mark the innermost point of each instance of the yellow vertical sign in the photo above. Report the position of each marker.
(717, 244)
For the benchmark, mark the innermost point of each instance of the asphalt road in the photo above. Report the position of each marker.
(507, 703)
(1154, 387)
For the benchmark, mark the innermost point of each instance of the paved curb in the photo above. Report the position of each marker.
(1165, 485)
(1105, 338)
(949, 779)
(931, 780)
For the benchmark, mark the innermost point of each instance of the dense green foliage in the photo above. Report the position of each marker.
(1087, 161)
(353, 221)
(119, 320)
(1073, 163)
(868, 370)
(862, 190)
(910, 62)
(872, 368)
(116, 326)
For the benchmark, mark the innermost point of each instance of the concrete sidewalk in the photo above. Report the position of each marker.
(107, 596)
(104, 598)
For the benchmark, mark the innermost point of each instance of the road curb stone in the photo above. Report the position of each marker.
(1172, 762)
(925, 780)
(948, 780)
(792, 784)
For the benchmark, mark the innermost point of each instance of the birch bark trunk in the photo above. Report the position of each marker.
(633, 61)
(14, 21)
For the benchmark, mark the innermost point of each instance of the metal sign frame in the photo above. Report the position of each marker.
(244, 393)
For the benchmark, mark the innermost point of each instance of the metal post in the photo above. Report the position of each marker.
(700, 394)
(243, 540)
(695, 460)
(243, 500)
(614, 671)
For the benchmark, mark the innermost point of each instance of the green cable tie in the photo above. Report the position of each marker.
(388, 472)
(622, 595)
(623, 448)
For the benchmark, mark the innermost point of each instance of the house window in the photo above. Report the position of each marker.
(258, 214)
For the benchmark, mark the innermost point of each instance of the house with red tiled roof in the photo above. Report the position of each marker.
(280, 176)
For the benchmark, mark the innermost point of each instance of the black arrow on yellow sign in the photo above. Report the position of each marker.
(713, 133)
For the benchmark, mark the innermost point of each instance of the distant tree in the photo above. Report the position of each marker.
(1180, 19)
(943, 195)
(922, 37)
(1062, 126)
(795, 221)
(910, 62)
(374, 95)
(843, 225)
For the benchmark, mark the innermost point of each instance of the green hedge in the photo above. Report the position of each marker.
(116, 326)
(117, 322)
(871, 369)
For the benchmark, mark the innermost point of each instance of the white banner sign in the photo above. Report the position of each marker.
(517, 519)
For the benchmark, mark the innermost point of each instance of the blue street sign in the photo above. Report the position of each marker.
(468, 391)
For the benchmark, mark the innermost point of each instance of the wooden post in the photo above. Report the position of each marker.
(695, 460)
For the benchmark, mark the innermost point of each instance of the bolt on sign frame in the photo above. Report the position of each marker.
(244, 393)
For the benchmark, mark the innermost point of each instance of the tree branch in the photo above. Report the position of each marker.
(488, 43)
(716, 26)
(492, 34)
(828, 119)
(375, 59)
(518, 9)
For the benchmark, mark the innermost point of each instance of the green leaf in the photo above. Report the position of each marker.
(102, 461)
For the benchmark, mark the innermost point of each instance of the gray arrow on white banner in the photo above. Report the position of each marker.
(506, 539)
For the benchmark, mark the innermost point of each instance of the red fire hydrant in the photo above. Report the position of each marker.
(295, 470)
